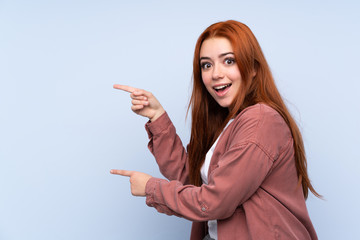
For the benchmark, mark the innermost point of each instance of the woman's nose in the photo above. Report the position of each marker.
(217, 72)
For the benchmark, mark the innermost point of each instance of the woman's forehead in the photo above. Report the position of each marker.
(213, 47)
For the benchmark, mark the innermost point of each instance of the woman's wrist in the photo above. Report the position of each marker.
(157, 115)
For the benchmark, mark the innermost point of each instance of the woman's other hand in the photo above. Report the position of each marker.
(143, 103)
(138, 181)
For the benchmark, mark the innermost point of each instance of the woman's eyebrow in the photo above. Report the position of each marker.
(224, 54)
(221, 55)
(202, 58)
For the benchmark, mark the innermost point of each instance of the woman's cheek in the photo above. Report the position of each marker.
(206, 79)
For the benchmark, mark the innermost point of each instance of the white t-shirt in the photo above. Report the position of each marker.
(212, 224)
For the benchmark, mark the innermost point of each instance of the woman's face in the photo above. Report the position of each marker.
(219, 71)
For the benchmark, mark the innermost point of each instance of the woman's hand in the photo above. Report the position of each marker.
(143, 103)
(138, 180)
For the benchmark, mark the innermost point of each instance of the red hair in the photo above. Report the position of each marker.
(209, 118)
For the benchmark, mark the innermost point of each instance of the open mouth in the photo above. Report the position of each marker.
(222, 88)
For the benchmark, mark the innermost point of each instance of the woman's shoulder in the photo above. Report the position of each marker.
(258, 111)
(261, 114)
(262, 125)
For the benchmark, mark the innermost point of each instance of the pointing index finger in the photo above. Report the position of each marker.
(125, 88)
(121, 172)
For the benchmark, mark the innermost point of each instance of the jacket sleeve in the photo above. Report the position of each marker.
(229, 186)
(240, 172)
(168, 149)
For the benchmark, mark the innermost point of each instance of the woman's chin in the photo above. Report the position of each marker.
(224, 104)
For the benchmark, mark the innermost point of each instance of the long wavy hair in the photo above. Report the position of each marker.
(209, 118)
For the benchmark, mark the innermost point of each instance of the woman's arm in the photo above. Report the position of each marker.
(229, 186)
(164, 143)
(168, 149)
(258, 140)
(241, 173)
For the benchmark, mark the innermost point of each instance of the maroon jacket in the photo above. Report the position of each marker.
(253, 188)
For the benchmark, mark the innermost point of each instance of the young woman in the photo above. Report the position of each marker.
(244, 173)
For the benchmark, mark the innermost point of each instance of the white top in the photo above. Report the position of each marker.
(212, 224)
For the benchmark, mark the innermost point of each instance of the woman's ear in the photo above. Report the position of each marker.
(253, 74)
(255, 69)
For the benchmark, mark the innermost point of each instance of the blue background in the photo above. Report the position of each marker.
(63, 126)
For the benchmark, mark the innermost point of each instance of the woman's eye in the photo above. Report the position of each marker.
(205, 65)
(229, 61)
